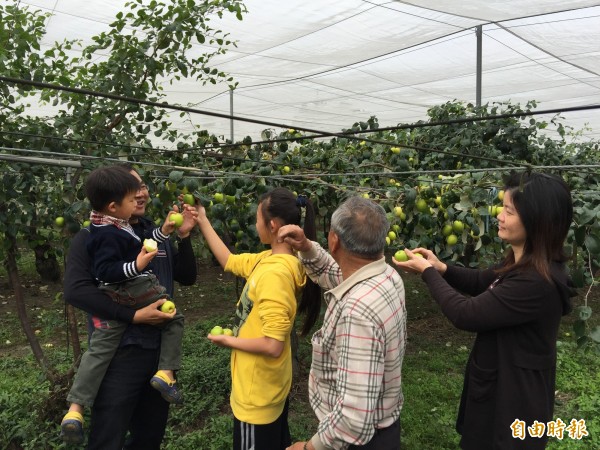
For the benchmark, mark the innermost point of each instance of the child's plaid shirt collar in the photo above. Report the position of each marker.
(104, 219)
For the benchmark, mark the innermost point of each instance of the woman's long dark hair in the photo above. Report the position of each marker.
(281, 203)
(545, 208)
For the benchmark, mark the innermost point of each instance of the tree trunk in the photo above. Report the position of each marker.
(13, 274)
(46, 263)
(73, 335)
(294, 342)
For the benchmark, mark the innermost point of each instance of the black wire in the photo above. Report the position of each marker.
(558, 58)
(341, 69)
(373, 141)
(165, 105)
(485, 22)
(380, 190)
(484, 118)
(77, 141)
(318, 133)
(545, 22)
(432, 41)
(227, 174)
(304, 35)
(346, 134)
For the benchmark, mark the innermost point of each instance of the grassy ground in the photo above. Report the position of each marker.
(432, 373)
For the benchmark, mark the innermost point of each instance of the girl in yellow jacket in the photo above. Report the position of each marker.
(276, 288)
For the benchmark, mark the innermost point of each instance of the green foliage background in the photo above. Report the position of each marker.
(432, 377)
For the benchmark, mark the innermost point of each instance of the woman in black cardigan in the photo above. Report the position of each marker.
(515, 308)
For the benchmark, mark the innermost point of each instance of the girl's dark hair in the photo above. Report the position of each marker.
(109, 184)
(545, 207)
(283, 204)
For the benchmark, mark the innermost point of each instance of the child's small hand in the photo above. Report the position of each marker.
(201, 214)
(190, 213)
(144, 258)
(219, 339)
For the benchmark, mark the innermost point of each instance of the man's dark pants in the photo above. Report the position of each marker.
(126, 401)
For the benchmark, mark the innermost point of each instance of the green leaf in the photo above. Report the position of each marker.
(182, 68)
(175, 176)
(578, 277)
(579, 328)
(582, 341)
(587, 215)
(580, 236)
(163, 42)
(583, 312)
(411, 195)
(191, 184)
(76, 206)
(592, 243)
(595, 334)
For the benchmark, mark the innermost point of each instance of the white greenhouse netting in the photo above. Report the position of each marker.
(325, 65)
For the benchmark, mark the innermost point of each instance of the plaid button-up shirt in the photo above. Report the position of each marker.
(355, 376)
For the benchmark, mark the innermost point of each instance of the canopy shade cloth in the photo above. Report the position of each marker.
(326, 65)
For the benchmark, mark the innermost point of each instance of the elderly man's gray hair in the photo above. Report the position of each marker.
(361, 225)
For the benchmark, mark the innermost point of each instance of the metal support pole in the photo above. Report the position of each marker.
(479, 34)
(231, 113)
(42, 161)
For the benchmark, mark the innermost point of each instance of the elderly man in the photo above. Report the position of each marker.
(355, 376)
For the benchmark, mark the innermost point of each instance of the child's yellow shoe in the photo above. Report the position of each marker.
(71, 428)
(167, 387)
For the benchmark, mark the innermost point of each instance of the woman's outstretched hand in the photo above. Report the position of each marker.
(420, 259)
